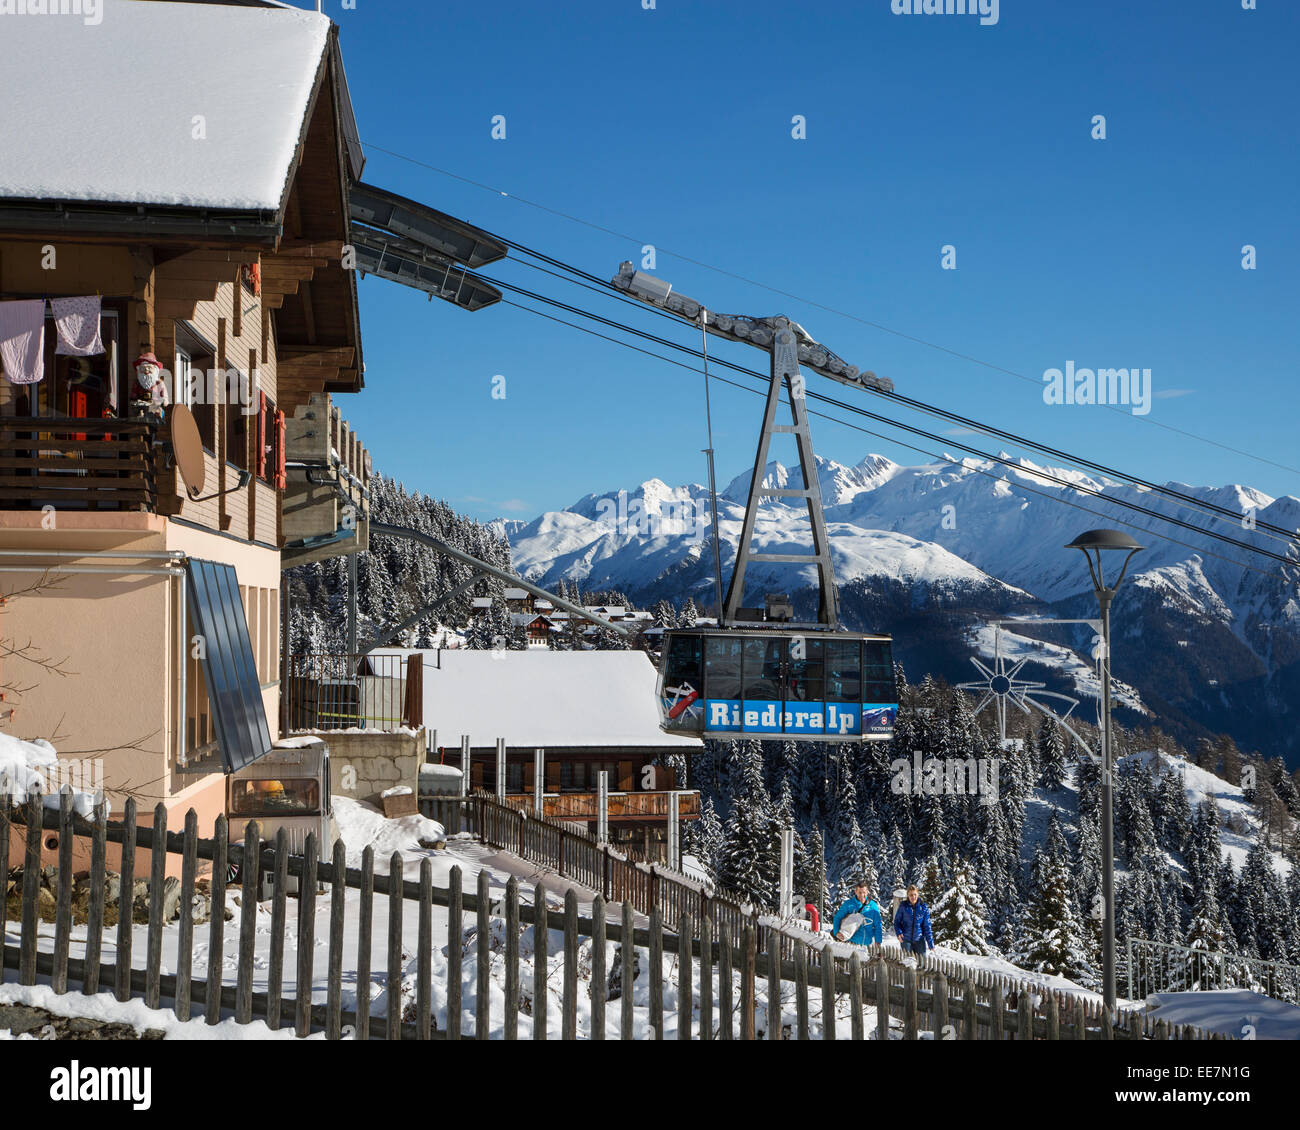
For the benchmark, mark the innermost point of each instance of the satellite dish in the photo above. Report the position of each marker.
(187, 447)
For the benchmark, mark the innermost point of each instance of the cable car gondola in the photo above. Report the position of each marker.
(760, 673)
(773, 684)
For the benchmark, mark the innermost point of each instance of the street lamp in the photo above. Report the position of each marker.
(1092, 544)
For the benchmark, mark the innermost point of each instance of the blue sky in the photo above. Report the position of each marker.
(673, 127)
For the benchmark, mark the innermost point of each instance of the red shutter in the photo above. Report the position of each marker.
(261, 435)
(281, 475)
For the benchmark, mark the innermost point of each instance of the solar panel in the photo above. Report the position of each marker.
(238, 713)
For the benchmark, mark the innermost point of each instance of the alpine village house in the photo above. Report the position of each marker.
(168, 325)
(174, 329)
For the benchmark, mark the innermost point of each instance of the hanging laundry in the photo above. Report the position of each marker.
(22, 340)
(77, 320)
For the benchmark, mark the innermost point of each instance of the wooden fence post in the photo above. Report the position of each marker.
(541, 961)
(773, 985)
(334, 960)
(249, 873)
(970, 1022)
(882, 999)
(184, 929)
(394, 983)
(656, 973)
(940, 996)
(748, 962)
(627, 953)
(801, 990)
(424, 955)
(4, 877)
(855, 996)
(828, 992)
(685, 994)
(125, 904)
(569, 1000)
(1080, 1023)
(706, 978)
(306, 937)
(1025, 1019)
(483, 951)
(95, 915)
(997, 1028)
(726, 988)
(63, 905)
(216, 919)
(599, 978)
(511, 1018)
(455, 950)
(909, 1003)
(1053, 1016)
(279, 899)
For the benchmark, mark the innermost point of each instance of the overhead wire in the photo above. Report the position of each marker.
(902, 443)
(799, 298)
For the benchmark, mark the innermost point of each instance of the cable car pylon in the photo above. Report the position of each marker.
(761, 673)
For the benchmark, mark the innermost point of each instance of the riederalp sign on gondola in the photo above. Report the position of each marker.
(810, 718)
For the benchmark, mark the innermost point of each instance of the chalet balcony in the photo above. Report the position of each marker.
(76, 464)
(622, 806)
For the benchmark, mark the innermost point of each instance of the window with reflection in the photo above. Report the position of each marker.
(843, 671)
(763, 661)
(806, 682)
(878, 672)
(684, 654)
(722, 662)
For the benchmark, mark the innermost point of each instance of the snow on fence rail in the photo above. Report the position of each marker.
(757, 981)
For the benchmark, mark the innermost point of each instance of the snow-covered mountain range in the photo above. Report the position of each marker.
(1208, 635)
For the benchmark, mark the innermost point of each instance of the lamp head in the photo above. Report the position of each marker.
(1093, 543)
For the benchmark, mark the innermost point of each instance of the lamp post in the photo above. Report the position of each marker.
(1092, 544)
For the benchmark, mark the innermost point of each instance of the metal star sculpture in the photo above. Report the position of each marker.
(1000, 685)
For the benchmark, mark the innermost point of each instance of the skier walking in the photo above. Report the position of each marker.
(912, 924)
(861, 905)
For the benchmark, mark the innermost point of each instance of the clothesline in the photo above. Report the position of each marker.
(22, 333)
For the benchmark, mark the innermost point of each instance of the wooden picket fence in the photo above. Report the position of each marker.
(937, 997)
(575, 854)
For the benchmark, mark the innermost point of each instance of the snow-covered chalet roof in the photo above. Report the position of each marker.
(545, 698)
(105, 112)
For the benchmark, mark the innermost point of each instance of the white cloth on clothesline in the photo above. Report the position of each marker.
(77, 322)
(22, 340)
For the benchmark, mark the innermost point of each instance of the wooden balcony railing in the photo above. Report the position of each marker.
(622, 806)
(78, 464)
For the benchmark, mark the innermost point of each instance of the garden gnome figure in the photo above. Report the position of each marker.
(149, 393)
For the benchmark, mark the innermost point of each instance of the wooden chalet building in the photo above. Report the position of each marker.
(197, 204)
(588, 711)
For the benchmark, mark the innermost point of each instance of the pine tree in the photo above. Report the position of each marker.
(959, 917)
(1051, 934)
(708, 838)
(749, 864)
(1054, 767)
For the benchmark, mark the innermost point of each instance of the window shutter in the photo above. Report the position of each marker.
(261, 435)
(281, 474)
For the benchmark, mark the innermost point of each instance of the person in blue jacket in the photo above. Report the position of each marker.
(860, 902)
(912, 924)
